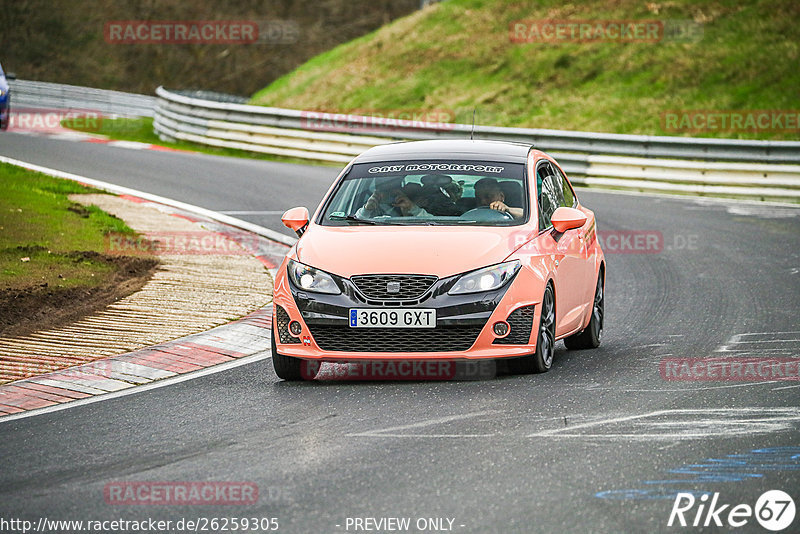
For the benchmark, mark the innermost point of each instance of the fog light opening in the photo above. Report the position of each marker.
(501, 328)
(295, 328)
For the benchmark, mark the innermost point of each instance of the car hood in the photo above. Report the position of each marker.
(438, 250)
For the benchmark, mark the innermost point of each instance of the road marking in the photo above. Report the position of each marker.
(139, 389)
(761, 344)
(786, 387)
(702, 203)
(703, 388)
(699, 424)
(391, 432)
(267, 212)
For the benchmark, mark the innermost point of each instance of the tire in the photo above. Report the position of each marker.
(541, 360)
(4, 125)
(592, 334)
(287, 367)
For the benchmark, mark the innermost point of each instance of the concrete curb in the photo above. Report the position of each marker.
(237, 340)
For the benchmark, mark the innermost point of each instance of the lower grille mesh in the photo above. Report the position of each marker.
(521, 321)
(282, 323)
(439, 339)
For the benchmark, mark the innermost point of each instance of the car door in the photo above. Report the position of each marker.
(570, 258)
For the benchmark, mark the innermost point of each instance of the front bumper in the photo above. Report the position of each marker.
(463, 328)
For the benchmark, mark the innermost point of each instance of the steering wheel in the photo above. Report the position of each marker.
(485, 213)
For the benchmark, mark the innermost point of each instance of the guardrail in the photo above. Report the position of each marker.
(738, 168)
(60, 96)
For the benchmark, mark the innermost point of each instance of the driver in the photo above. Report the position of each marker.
(488, 194)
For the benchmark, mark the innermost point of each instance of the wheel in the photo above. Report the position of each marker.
(591, 335)
(287, 367)
(541, 360)
(4, 123)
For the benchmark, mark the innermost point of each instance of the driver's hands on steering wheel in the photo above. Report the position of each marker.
(499, 205)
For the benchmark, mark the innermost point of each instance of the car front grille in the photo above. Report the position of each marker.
(376, 286)
(439, 339)
(282, 322)
(521, 322)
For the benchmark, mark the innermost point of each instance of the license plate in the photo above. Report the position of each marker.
(392, 318)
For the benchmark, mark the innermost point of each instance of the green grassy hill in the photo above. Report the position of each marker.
(458, 55)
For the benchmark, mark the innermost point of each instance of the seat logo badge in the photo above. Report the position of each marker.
(393, 287)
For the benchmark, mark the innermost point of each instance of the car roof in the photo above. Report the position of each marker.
(462, 149)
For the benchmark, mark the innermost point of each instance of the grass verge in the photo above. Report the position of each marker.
(52, 250)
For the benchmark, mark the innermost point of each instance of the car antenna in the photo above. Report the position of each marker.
(472, 132)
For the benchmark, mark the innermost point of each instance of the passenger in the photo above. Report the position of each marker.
(406, 200)
(454, 190)
(392, 200)
(435, 198)
(488, 193)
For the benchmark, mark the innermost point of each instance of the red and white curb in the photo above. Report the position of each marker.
(71, 135)
(246, 337)
(47, 123)
(237, 343)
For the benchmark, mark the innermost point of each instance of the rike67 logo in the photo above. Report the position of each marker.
(774, 510)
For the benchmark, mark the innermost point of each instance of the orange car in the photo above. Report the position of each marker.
(440, 250)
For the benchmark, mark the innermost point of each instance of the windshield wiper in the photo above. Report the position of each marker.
(351, 218)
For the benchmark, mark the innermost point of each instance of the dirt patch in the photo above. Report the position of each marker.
(23, 311)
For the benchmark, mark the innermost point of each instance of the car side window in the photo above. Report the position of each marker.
(568, 195)
(550, 192)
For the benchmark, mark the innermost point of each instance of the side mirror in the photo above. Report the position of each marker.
(11, 76)
(567, 218)
(296, 219)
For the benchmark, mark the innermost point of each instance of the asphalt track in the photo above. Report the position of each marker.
(600, 444)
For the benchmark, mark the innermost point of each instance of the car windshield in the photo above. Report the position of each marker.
(440, 192)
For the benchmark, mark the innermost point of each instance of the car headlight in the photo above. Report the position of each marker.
(486, 279)
(311, 279)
